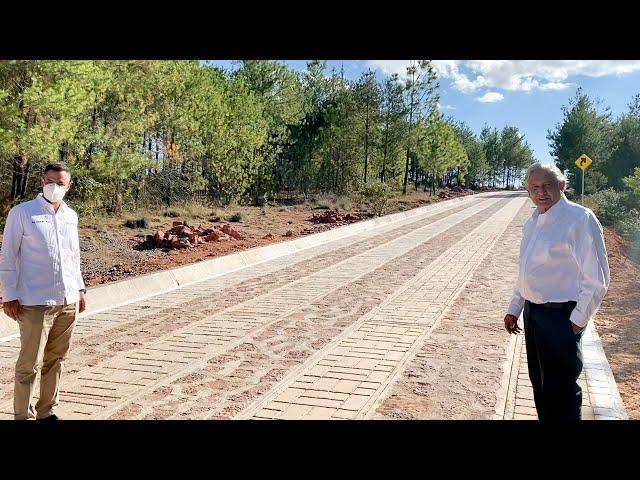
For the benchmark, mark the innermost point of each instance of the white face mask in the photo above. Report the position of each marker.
(54, 192)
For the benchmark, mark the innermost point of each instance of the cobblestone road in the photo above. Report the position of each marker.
(327, 332)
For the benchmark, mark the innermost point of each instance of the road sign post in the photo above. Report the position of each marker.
(583, 162)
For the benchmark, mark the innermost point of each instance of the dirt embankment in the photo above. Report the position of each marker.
(617, 322)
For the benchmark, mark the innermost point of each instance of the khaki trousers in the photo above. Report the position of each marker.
(45, 338)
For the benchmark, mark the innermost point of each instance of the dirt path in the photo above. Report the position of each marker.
(457, 371)
(212, 361)
(617, 323)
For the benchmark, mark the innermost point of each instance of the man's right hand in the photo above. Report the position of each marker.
(12, 309)
(511, 324)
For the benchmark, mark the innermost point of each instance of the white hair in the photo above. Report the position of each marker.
(551, 170)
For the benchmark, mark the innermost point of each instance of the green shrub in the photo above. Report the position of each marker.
(345, 204)
(632, 182)
(621, 211)
(84, 209)
(608, 205)
(375, 196)
(173, 213)
(139, 223)
(629, 225)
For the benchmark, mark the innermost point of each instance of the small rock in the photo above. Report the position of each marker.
(229, 230)
(159, 237)
(212, 237)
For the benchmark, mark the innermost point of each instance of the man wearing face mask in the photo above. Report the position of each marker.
(42, 289)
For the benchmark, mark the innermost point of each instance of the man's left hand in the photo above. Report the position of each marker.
(83, 302)
(576, 329)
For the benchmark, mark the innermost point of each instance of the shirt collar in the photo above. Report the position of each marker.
(40, 198)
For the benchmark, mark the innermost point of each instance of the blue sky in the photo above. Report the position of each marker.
(528, 94)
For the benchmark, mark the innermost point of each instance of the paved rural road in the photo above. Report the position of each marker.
(345, 330)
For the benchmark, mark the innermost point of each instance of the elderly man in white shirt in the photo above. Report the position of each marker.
(42, 289)
(563, 277)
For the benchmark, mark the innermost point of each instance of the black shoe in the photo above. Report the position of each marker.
(53, 416)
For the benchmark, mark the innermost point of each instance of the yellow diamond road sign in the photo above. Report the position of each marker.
(583, 162)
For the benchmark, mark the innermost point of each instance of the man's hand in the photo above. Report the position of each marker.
(82, 302)
(12, 309)
(576, 329)
(511, 324)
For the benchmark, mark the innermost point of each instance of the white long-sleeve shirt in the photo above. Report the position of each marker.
(40, 256)
(562, 258)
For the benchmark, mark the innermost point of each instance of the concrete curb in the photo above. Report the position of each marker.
(603, 390)
(510, 366)
(604, 397)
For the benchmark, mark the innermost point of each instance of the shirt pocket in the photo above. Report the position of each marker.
(40, 229)
(70, 235)
(556, 249)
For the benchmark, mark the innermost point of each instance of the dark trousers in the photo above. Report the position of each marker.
(554, 355)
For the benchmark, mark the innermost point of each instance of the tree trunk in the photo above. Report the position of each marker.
(384, 156)
(366, 145)
(19, 176)
(25, 178)
(406, 166)
(406, 172)
(15, 177)
(434, 178)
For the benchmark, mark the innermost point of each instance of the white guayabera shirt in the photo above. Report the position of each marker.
(40, 258)
(562, 258)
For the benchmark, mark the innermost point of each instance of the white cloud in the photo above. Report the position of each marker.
(525, 75)
(554, 86)
(491, 97)
(450, 69)
(468, 76)
(446, 107)
(389, 67)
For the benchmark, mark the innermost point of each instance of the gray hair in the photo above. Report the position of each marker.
(551, 170)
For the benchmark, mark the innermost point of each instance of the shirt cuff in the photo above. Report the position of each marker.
(9, 294)
(514, 309)
(578, 318)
